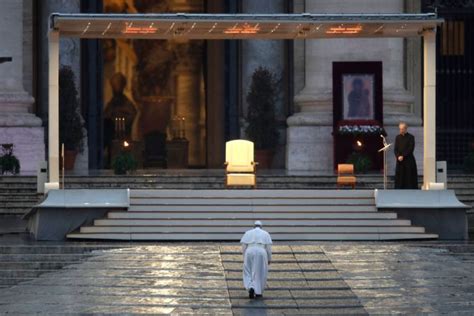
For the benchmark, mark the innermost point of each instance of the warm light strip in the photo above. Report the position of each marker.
(212, 28)
(275, 28)
(86, 28)
(380, 28)
(170, 28)
(244, 29)
(192, 27)
(107, 28)
(130, 29)
(344, 30)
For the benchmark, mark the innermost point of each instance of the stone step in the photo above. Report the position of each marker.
(234, 229)
(40, 257)
(27, 185)
(234, 223)
(254, 201)
(253, 194)
(18, 211)
(19, 198)
(253, 208)
(61, 249)
(17, 204)
(17, 191)
(250, 215)
(236, 237)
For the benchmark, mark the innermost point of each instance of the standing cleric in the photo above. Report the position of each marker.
(406, 176)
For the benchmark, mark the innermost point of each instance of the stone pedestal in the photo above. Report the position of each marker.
(17, 124)
(314, 101)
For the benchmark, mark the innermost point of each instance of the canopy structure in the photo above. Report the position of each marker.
(304, 26)
(242, 26)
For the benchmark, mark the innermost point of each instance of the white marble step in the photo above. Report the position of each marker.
(252, 208)
(249, 222)
(248, 201)
(236, 237)
(251, 215)
(241, 229)
(183, 194)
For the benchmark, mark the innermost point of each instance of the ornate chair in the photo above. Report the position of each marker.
(240, 165)
(345, 175)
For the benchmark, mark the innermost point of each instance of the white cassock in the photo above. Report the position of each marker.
(257, 250)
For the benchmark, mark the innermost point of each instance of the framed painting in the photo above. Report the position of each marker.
(357, 91)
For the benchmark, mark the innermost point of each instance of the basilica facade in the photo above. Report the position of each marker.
(170, 97)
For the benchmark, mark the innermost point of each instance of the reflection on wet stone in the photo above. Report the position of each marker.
(135, 279)
(326, 278)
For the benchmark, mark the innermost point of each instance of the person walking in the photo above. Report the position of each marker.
(257, 251)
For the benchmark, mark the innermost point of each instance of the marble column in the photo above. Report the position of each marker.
(18, 125)
(69, 55)
(188, 103)
(310, 142)
(269, 54)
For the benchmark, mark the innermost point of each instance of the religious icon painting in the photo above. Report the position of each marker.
(357, 92)
(358, 96)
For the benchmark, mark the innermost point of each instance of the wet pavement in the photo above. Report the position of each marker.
(332, 278)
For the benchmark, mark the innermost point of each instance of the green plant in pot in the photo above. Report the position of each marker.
(8, 161)
(71, 132)
(262, 126)
(469, 162)
(124, 162)
(361, 162)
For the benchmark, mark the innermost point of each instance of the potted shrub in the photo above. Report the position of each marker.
(261, 128)
(71, 132)
(469, 162)
(124, 162)
(8, 161)
(361, 162)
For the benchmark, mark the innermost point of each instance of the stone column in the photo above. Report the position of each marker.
(188, 103)
(269, 54)
(69, 55)
(429, 108)
(310, 141)
(18, 125)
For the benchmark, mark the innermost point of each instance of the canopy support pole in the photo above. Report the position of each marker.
(53, 111)
(429, 108)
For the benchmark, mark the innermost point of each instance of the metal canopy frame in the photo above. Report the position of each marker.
(247, 26)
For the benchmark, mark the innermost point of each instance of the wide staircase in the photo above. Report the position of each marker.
(18, 193)
(225, 215)
(17, 196)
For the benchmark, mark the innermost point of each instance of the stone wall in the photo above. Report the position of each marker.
(310, 141)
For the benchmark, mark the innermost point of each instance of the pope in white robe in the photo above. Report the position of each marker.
(257, 250)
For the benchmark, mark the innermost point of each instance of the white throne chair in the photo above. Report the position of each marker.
(240, 165)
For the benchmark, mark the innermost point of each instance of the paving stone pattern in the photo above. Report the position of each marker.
(301, 281)
(330, 278)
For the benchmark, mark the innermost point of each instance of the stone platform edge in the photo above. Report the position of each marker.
(64, 211)
(439, 211)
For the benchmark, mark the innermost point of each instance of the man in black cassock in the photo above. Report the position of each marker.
(406, 176)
